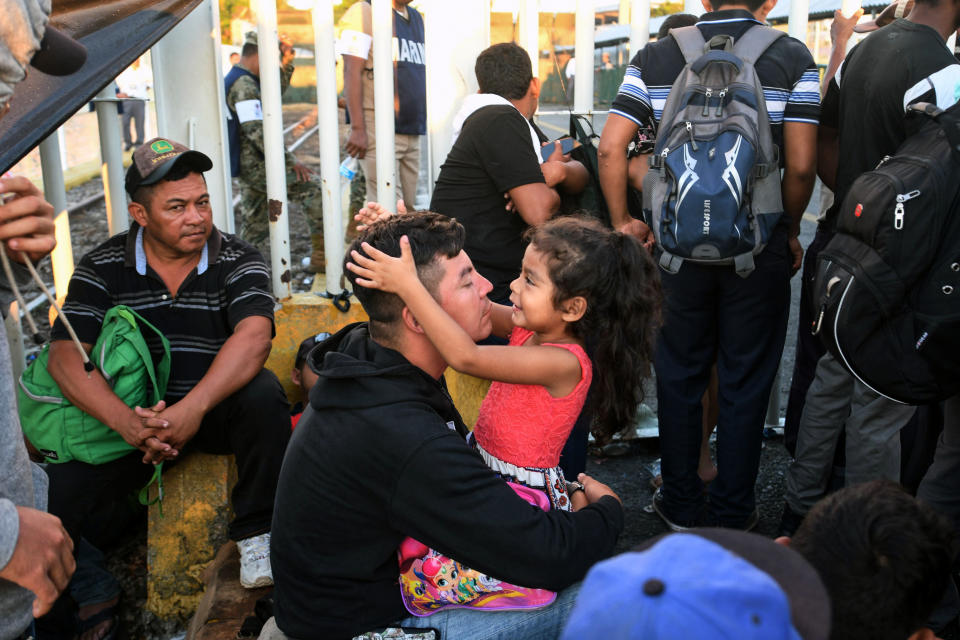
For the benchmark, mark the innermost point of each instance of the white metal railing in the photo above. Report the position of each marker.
(383, 99)
(329, 132)
(449, 67)
(450, 55)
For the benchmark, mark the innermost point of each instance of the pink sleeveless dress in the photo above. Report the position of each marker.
(521, 428)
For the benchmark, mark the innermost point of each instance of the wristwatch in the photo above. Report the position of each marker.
(573, 487)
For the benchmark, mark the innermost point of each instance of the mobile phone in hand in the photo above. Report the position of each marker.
(567, 144)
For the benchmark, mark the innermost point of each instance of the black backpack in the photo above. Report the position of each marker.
(888, 284)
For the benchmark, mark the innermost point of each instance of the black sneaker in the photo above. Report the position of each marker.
(657, 503)
(790, 521)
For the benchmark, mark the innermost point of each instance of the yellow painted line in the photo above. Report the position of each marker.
(547, 125)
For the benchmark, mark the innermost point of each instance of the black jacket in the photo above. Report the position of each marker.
(380, 455)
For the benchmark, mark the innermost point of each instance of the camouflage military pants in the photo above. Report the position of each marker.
(254, 217)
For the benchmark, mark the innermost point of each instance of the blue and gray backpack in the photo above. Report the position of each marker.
(712, 195)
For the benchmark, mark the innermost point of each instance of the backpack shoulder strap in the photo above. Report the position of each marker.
(690, 41)
(751, 45)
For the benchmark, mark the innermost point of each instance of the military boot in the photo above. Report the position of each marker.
(318, 257)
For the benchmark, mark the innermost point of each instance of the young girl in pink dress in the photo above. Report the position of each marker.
(579, 281)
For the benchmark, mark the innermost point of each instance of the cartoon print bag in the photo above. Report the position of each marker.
(431, 582)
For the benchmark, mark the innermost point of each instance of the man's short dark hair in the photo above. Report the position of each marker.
(751, 5)
(675, 21)
(431, 235)
(884, 557)
(504, 69)
(249, 49)
(179, 171)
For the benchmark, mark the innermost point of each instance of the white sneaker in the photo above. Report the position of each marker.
(255, 562)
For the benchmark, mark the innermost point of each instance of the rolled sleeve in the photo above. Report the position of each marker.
(633, 98)
(248, 290)
(803, 104)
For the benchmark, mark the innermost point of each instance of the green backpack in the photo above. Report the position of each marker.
(59, 429)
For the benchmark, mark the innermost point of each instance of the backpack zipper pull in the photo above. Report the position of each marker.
(706, 102)
(898, 211)
(815, 328)
(719, 111)
(663, 163)
(693, 143)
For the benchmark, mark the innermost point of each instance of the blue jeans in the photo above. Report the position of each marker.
(468, 624)
(712, 313)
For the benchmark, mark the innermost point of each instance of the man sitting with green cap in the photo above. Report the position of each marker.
(209, 294)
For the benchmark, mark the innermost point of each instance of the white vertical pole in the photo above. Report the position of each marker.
(451, 54)
(583, 87)
(62, 144)
(53, 190)
(111, 157)
(797, 22)
(639, 26)
(528, 29)
(848, 7)
(192, 50)
(816, 38)
(326, 60)
(273, 147)
(383, 101)
(694, 7)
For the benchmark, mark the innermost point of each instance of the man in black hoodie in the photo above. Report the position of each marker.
(379, 455)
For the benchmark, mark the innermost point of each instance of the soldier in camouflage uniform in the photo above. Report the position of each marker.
(242, 86)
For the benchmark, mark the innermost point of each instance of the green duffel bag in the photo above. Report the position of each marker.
(59, 429)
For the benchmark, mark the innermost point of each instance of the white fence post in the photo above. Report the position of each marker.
(61, 258)
(451, 54)
(585, 28)
(273, 147)
(528, 30)
(383, 101)
(111, 156)
(329, 133)
(797, 22)
(192, 50)
(639, 26)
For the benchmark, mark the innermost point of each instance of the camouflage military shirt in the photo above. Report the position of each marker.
(246, 93)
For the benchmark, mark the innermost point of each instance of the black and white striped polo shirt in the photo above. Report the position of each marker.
(230, 283)
(786, 70)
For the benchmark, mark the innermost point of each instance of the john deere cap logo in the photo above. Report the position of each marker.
(161, 146)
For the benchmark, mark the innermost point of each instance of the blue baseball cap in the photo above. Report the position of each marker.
(705, 584)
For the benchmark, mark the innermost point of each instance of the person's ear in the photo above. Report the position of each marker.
(534, 90)
(410, 321)
(761, 13)
(138, 212)
(573, 309)
(783, 541)
(295, 376)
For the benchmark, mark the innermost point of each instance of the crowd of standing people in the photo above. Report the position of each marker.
(381, 513)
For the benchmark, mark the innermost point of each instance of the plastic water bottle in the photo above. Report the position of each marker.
(349, 167)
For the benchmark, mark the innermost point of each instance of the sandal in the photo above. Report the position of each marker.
(90, 624)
